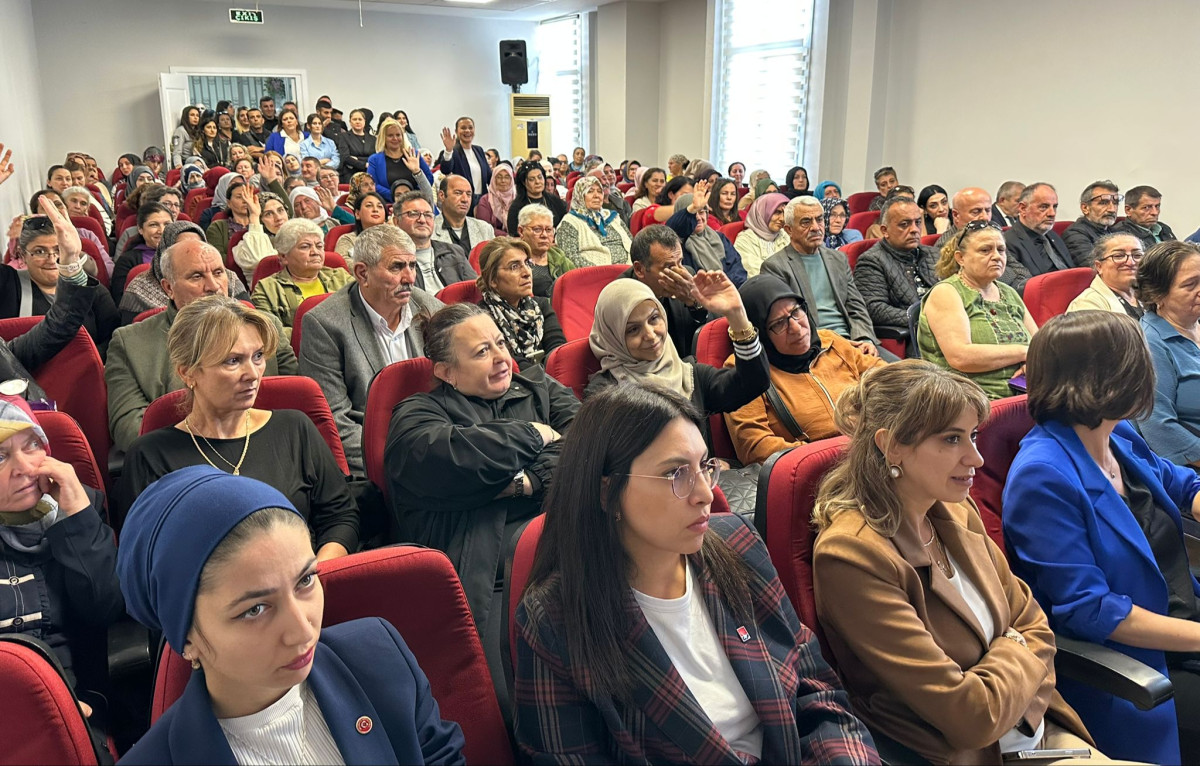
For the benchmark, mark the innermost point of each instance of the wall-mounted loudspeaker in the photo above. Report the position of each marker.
(514, 69)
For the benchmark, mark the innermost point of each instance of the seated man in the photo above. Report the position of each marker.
(310, 168)
(969, 204)
(875, 230)
(439, 263)
(138, 368)
(1033, 247)
(1142, 207)
(454, 225)
(657, 256)
(1004, 212)
(364, 327)
(897, 271)
(822, 276)
(885, 181)
(1099, 205)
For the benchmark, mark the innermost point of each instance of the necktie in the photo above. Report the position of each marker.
(1053, 255)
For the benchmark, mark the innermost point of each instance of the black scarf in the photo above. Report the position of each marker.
(758, 294)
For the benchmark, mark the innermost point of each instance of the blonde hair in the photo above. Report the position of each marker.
(205, 330)
(381, 135)
(912, 400)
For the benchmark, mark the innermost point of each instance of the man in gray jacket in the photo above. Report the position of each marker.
(364, 327)
(438, 263)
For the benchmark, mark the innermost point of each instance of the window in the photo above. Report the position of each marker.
(560, 67)
(762, 76)
(241, 90)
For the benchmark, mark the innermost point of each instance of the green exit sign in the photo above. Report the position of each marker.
(243, 16)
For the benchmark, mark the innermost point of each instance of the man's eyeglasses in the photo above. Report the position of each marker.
(683, 478)
(1123, 257)
(1107, 199)
(780, 325)
(974, 226)
(540, 230)
(516, 266)
(414, 215)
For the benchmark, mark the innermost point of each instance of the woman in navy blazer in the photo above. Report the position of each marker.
(1092, 520)
(224, 567)
(454, 159)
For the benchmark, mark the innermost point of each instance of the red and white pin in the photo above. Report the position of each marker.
(743, 633)
(364, 725)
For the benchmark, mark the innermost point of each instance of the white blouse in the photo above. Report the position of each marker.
(292, 730)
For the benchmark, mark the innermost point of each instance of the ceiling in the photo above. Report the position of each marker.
(516, 10)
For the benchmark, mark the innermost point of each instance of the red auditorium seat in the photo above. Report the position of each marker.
(94, 214)
(192, 199)
(855, 249)
(624, 186)
(274, 264)
(998, 441)
(68, 444)
(199, 205)
(137, 270)
(572, 364)
(173, 176)
(42, 722)
(183, 217)
(1048, 295)
(476, 251)
(860, 201)
(393, 384)
(713, 347)
(93, 252)
(575, 294)
(862, 221)
(277, 392)
(460, 292)
(335, 234)
(89, 223)
(306, 305)
(637, 221)
(148, 313)
(929, 240)
(1061, 226)
(435, 622)
(732, 230)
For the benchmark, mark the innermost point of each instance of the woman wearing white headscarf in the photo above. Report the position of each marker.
(306, 203)
(494, 204)
(590, 235)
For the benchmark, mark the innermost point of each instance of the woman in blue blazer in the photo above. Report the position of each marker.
(394, 159)
(224, 567)
(1092, 520)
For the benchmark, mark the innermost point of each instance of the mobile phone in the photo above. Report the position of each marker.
(1052, 754)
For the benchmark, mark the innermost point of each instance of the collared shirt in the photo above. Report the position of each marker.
(326, 151)
(392, 343)
(1173, 428)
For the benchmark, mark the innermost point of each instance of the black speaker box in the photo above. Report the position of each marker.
(514, 69)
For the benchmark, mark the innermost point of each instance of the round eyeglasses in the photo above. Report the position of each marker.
(683, 478)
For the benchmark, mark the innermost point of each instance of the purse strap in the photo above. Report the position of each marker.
(785, 415)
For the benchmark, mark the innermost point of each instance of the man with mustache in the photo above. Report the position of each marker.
(1099, 205)
(363, 327)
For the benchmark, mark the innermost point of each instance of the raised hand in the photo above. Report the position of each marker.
(252, 203)
(700, 193)
(325, 197)
(267, 171)
(714, 291)
(69, 247)
(411, 160)
(448, 139)
(6, 166)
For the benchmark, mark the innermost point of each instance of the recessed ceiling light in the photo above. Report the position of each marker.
(471, 2)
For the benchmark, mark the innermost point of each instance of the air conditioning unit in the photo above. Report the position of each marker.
(530, 115)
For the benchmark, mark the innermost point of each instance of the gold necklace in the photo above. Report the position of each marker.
(945, 567)
(237, 469)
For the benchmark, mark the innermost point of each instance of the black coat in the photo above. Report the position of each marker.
(1129, 227)
(1027, 258)
(887, 280)
(101, 319)
(1081, 236)
(354, 151)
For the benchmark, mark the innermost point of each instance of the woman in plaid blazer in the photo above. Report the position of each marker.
(652, 632)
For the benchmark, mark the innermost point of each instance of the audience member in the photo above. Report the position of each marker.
(439, 263)
(355, 146)
(837, 213)
(969, 204)
(167, 196)
(318, 146)
(317, 205)
(287, 139)
(612, 198)
(152, 218)
(1142, 207)
(530, 327)
(636, 605)
(304, 274)
(971, 322)
(724, 199)
(210, 145)
(90, 267)
(1004, 212)
(535, 225)
(590, 235)
(139, 369)
(822, 276)
(657, 256)
(145, 291)
(309, 171)
(875, 230)
(360, 184)
(795, 184)
(266, 105)
(1033, 247)
(827, 190)
(201, 543)
(532, 190)
(454, 223)
(664, 204)
(897, 271)
(935, 204)
(410, 136)
(394, 160)
(809, 369)
(185, 134)
(364, 327)
(266, 212)
(256, 137)
(702, 170)
(237, 212)
(1115, 257)
(676, 165)
(369, 211)
(463, 159)
(885, 181)
(737, 171)
(1099, 205)
(764, 235)
(942, 648)
(704, 247)
(649, 184)
(493, 207)
(1092, 523)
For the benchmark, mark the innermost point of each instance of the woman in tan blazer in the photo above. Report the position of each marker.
(940, 646)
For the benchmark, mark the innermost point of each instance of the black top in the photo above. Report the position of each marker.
(250, 138)
(101, 319)
(543, 281)
(1167, 546)
(354, 150)
(556, 205)
(288, 453)
(396, 170)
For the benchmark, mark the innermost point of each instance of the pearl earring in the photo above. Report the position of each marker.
(895, 471)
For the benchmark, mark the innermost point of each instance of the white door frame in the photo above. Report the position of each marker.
(300, 75)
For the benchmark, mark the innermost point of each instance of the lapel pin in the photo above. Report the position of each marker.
(363, 725)
(743, 633)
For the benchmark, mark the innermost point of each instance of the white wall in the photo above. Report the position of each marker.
(685, 68)
(20, 116)
(99, 65)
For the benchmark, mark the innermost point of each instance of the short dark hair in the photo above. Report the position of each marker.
(1133, 197)
(1088, 366)
(892, 201)
(148, 209)
(407, 197)
(1091, 188)
(50, 172)
(265, 99)
(655, 234)
(438, 330)
(1158, 269)
(1101, 244)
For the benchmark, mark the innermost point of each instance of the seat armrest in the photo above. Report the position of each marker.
(1111, 671)
(891, 333)
(129, 649)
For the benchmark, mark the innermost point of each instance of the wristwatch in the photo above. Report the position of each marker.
(519, 484)
(743, 336)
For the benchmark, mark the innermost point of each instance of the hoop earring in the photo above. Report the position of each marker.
(895, 471)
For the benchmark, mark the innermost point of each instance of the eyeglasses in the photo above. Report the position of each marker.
(1123, 257)
(1107, 199)
(42, 254)
(780, 325)
(837, 216)
(37, 223)
(414, 215)
(683, 478)
(974, 226)
(516, 266)
(540, 230)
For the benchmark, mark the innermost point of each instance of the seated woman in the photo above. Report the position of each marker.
(809, 370)
(317, 206)
(837, 213)
(629, 337)
(590, 235)
(534, 189)
(1115, 257)
(236, 203)
(1166, 286)
(764, 235)
(942, 649)
(643, 606)
(395, 158)
(704, 247)
(493, 206)
(649, 183)
(935, 203)
(369, 211)
(827, 190)
(664, 204)
(304, 274)
(530, 327)
(760, 183)
(360, 184)
(1092, 523)
(723, 201)
(151, 220)
(795, 183)
(468, 463)
(971, 322)
(219, 349)
(268, 213)
(535, 225)
(223, 567)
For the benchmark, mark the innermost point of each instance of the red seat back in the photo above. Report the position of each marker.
(93, 252)
(572, 364)
(862, 221)
(74, 379)
(41, 722)
(137, 270)
(999, 439)
(1048, 295)
(393, 384)
(929, 240)
(148, 313)
(575, 294)
(68, 444)
(855, 249)
(192, 200)
(624, 186)
(89, 223)
(277, 392)
(1061, 226)
(173, 176)
(732, 230)
(334, 234)
(461, 292)
(475, 253)
(637, 221)
(273, 264)
(212, 175)
(433, 619)
(860, 201)
(713, 347)
(305, 306)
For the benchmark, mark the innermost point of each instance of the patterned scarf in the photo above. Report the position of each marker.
(596, 219)
(521, 325)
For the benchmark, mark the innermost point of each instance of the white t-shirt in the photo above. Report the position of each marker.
(292, 730)
(433, 282)
(686, 632)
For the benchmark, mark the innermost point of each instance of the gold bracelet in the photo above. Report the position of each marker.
(743, 336)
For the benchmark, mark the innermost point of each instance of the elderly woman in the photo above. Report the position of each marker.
(317, 206)
(395, 159)
(370, 210)
(268, 212)
(1115, 257)
(469, 462)
(809, 370)
(360, 184)
(302, 250)
(79, 202)
(1092, 523)
(493, 207)
(222, 566)
(837, 213)
(703, 246)
(1168, 286)
(219, 349)
(935, 203)
(639, 592)
(531, 190)
(590, 235)
(764, 235)
(535, 226)
(758, 179)
(971, 322)
(828, 190)
(530, 327)
(152, 219)
(941, 647)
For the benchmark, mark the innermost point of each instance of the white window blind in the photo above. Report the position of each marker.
(560, 68)
(763, 79)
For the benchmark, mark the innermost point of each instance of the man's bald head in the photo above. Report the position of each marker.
(971, 204)
(192, 269)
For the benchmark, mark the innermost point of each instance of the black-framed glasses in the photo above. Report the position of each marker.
(683, 478)
(780, 325)
(974, 226)
(1124, 257)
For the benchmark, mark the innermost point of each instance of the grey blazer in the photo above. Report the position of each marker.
(786, 265)
(339, 350)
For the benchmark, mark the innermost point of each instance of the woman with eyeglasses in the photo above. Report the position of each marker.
(809, 370)
(535, 225)
(505, 280)
(1115, 257)
(653, 631)
(837, 213)
(971, 322)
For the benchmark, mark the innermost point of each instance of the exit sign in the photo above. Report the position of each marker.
(243, 16)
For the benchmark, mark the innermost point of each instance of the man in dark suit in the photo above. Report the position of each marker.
(1099, 205)
(1033, 247)
(1004, 212)
(657, 256)
(1142, 207)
